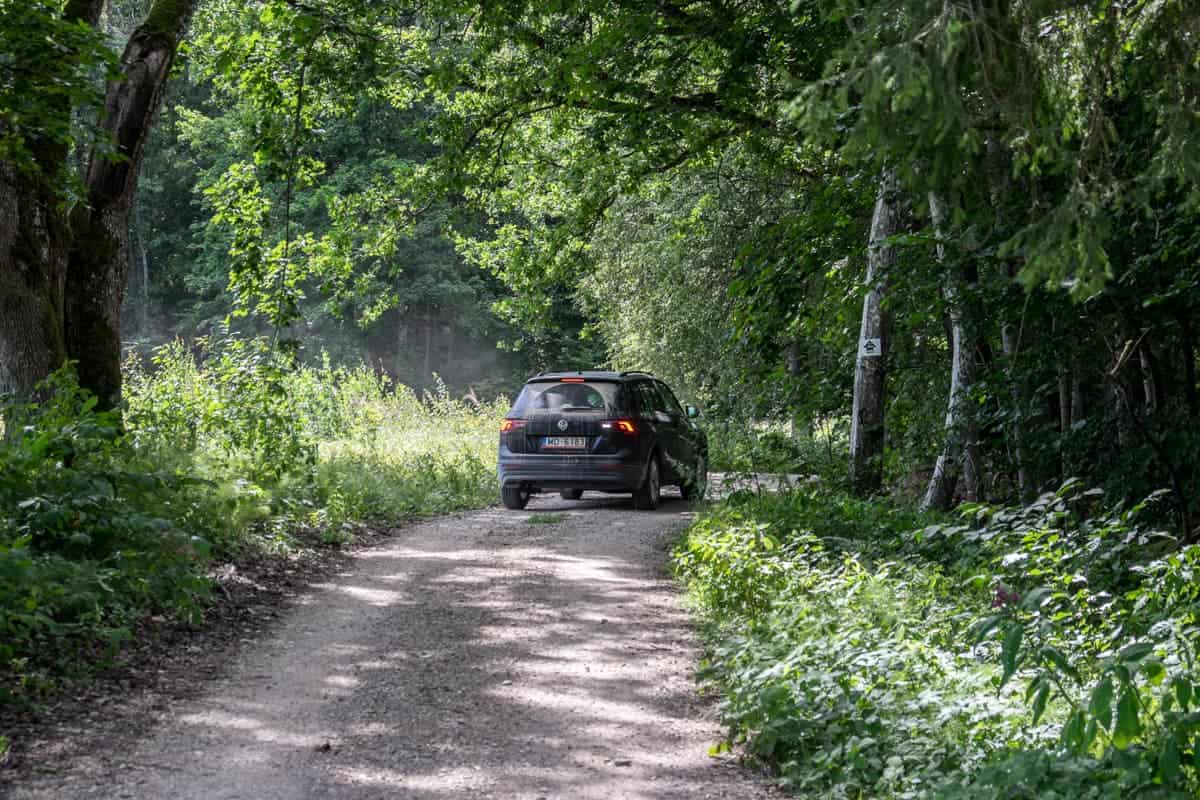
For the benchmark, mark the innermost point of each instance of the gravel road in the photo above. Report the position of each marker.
(473, 656)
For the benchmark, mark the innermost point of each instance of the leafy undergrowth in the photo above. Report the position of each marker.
(864, 650)
(105, 519)
(738, 446)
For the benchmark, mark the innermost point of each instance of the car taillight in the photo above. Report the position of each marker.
(623, 425)
(511, 425)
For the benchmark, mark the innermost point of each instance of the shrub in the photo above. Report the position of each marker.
(838, 670)
(286, 445)
(1097, 616)
(736, 446)
(83, 550)
(1042, 651)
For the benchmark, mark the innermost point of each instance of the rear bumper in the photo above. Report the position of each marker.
(598, 473)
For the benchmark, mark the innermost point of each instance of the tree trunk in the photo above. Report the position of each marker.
(1010, 340)
(961, 446)
(1189, 365)
(139, 276)
(32, 273)
(867, 415)
(1064, 401)
(145, 287)
(428, 344)
(34, 240)
(1149, 389)
(1118, 393)
(99, 259)
(1078, 406)
(62, 281)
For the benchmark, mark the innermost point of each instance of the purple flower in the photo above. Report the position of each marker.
(1005, 597)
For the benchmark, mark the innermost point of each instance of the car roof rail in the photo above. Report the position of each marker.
(637, 372)
(544, 373)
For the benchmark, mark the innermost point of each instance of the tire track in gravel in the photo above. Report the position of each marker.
(471, 656)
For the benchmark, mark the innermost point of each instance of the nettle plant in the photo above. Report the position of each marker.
(1099, 615)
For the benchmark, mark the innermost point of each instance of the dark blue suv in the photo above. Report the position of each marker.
(605, 431)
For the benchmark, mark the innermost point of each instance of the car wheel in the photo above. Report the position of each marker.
(647, 495)
(571, 494)
(515, 497)
(694, 487)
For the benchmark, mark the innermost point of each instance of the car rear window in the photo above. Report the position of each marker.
(558, 396)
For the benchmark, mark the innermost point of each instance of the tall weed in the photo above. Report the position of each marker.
(104, 519)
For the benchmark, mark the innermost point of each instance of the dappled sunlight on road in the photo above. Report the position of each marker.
(475, 656)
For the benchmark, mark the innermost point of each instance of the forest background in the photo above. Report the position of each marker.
(942, 254)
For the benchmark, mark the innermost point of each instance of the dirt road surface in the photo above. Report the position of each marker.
(484, 655)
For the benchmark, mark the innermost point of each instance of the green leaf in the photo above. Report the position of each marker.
(1128, 724)
(1089, 734)
(1100, 706)
(986, 626)
(1034, 599)
(1039, 701)
(1010, 650)
(1135, 652)
(1072, 733)
(719, 748)
(1154, 671)
(1056, 657)
(1183, 691)
(1168, 760)
(201, 547)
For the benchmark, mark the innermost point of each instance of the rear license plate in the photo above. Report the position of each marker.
(564, 443)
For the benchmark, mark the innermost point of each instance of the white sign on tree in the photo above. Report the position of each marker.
(870, 348)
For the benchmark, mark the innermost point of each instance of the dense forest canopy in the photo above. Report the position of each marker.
(700, 189)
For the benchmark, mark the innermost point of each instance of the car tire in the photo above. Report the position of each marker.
(515, 497)
(646, 496)
(571, 494)
(694, 487)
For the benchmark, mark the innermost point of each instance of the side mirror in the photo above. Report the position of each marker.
(693, 412)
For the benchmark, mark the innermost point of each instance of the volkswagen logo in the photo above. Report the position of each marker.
(562, 424)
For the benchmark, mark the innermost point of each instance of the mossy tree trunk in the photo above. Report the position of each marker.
(99, 259)
(34, 243)
(62, 279)
(33, 259)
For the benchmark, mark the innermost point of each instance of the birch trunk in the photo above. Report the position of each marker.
(867, 415)
(960, 449)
